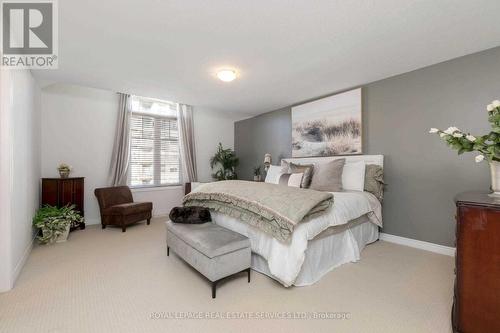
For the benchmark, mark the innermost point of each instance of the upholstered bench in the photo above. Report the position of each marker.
(213, 251)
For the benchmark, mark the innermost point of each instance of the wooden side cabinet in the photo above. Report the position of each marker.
(476, 306)
(62, 191)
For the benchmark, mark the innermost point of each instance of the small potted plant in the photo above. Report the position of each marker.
(64, 170)
(256, 174)
(54, 223)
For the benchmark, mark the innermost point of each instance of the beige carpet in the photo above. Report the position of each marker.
(109, 281)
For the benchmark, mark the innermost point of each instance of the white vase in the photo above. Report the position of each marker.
(64, 236)
(64, 173)
(495, 177)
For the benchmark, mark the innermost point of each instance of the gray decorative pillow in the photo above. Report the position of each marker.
(290, 179)
(328, 176)
(306, 169)
(374, 180)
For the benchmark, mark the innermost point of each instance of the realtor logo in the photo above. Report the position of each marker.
(29, 34)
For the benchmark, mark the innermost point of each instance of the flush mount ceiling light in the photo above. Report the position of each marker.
(226, 75)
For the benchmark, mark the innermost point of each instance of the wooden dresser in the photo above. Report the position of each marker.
(476, 306)
(62, 191)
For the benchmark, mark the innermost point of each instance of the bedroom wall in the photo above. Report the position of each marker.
(78, 128)
(5, 180)
(211, 127)
(267, 133)
(78, 125)
(423, 175)
(19, 170)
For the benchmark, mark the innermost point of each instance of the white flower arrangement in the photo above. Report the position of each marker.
(487, 145)
(471, 138)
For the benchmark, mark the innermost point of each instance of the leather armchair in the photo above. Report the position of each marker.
(118, 207)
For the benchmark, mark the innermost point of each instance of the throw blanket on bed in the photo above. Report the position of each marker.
(275, 209)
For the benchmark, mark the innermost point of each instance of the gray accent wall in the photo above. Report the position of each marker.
(422, 173)
(266, 133)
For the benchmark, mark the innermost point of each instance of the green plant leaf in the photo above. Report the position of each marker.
(53, 221)
(226, 161)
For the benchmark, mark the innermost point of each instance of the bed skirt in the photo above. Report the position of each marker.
(326, 253)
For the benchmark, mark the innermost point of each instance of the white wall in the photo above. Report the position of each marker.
(78, 126)
(211, 127)
(5, 182)
(19, 171)
(163, 198)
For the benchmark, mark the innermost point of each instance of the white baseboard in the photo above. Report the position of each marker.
(98, 221)
(92, 221)
(24, 258)
(436, 248)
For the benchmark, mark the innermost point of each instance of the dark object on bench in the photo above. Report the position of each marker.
(118, 207)
(190, 215)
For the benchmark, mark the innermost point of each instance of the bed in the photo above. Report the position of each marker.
(319, 244)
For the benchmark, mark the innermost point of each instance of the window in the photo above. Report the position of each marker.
(154, 143)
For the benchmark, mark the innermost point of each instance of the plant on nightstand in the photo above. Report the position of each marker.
(227, 162)
(54, 223)
(256, 173)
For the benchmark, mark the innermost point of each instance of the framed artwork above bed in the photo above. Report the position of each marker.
(329, 126)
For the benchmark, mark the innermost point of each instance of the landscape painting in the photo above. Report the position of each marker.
(328, 126)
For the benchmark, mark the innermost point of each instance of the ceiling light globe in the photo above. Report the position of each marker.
(226, 75)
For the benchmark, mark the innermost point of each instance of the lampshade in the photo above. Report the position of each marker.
(267, 159)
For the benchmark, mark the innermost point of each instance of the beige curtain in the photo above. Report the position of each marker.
(118, 170)
(186, 142)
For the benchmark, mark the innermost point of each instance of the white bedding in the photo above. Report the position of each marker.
(323, 254)
(285, 260)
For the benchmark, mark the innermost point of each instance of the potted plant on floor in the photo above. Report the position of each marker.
(256, 174)
(54, 223)
(488, 145)
(227, 162)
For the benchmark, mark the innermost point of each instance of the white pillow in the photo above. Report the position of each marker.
(273, 174)
(353, 176)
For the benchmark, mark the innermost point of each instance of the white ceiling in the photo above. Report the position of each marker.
(285, 51)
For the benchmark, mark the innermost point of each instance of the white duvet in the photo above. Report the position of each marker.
(285, 260)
